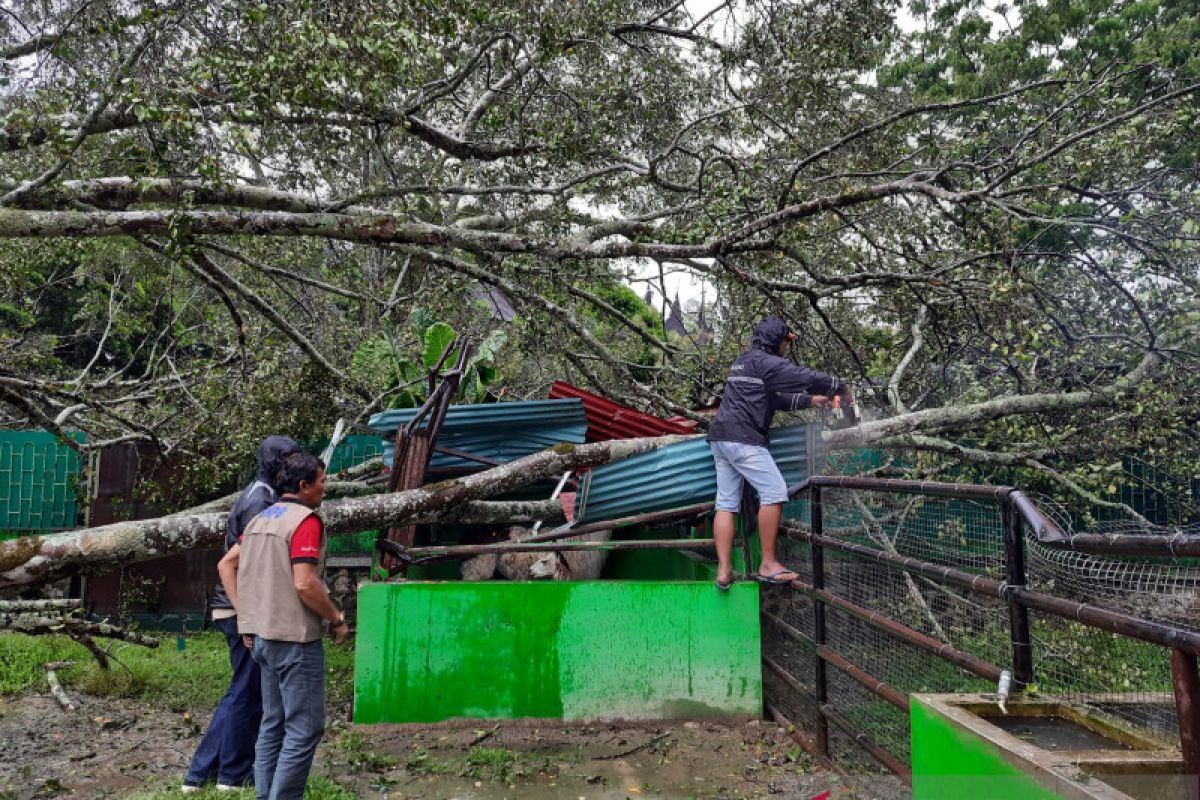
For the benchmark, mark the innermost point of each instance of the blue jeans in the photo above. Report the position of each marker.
(737, 462)
(293, 698)
(226, 753)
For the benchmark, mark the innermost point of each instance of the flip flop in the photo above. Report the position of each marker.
(724, 587)
(774, 580)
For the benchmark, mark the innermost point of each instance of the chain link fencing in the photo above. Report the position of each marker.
(1126, 679)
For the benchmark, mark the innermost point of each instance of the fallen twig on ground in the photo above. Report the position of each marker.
(631, 751)
(485, 735)
(55, 687)
(41, 625)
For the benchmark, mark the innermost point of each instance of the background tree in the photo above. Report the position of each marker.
(989, 222)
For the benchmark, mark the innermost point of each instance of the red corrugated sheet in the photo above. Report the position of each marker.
(608, 420)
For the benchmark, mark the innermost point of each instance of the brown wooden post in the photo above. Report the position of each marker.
(415, 443)
(408, 472)
(1186, 682)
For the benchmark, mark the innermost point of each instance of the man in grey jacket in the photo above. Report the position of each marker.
(274, 577)
(226, 753)
(760, 382)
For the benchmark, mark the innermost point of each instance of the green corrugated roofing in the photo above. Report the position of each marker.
(499, 431)
(674, 476)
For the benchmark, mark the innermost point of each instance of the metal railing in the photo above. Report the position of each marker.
(1017, 513)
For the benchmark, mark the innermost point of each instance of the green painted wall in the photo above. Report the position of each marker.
(608, 649)
(949, 763)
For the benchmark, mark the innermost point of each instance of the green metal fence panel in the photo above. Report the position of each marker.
(562, 650)
(350, 452)
(353, 451)
(38, 481)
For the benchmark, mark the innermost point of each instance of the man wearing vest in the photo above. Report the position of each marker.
(226, 753)
(274, 579)
(761, 382)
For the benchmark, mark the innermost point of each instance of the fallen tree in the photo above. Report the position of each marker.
(37, 559)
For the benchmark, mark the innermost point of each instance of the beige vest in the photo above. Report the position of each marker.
(268, 605)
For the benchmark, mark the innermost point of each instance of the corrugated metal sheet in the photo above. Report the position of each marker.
(37, 481)
(608, 420)
(674, 476)
(499, 431)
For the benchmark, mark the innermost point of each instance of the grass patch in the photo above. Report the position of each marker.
(320, 787)
(194, 677)
(420, 763)
(361, 758)
(489, 763)
(22, 657)
(339, 673)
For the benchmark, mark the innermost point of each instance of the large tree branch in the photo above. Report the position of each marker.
(47, 41)
(971, 416)
(102, 104)
(36, 559)
(918, 339)
(595, 242)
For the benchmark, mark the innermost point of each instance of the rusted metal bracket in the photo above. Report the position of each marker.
(414, 447)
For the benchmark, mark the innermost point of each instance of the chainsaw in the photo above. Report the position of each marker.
(840, 415)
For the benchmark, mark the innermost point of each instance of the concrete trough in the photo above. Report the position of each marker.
(964, 748)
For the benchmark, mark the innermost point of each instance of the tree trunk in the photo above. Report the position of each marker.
(37, 559)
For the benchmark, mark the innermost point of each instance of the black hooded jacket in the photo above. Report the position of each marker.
(762, 382)
(254, 499)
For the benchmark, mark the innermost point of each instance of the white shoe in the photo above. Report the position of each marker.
(188, 789)
(225, 787)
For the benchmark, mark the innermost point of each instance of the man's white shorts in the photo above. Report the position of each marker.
(737, 462)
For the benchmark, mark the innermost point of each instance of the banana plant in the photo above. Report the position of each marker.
(379, 361)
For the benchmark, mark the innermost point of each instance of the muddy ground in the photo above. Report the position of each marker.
(114, 748)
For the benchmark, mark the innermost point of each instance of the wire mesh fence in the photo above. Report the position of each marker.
(1125, 679)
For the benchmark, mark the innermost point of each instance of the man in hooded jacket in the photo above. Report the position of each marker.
(226, 753)
(760, 382)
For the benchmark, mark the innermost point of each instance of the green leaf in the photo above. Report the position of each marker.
(438, 337)
(491, 346)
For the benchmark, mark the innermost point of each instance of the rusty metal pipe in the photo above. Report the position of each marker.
(958, 658)
(871, 683)
(1179, 545)
(793, 683)
(1147, 631)
(423, 555)
(1186, 682)
(875, 686)
(805, 742)
(1043, 527)
(820, 679)
(637, 519)
(866, 743)
(465, 456)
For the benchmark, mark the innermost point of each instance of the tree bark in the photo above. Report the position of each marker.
(41, 626)
(967, 417)
(37, 559)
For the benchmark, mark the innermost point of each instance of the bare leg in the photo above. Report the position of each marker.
(768, 533)
(723, 538)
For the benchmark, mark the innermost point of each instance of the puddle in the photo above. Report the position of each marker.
(1056, 733)
(1148, 787)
